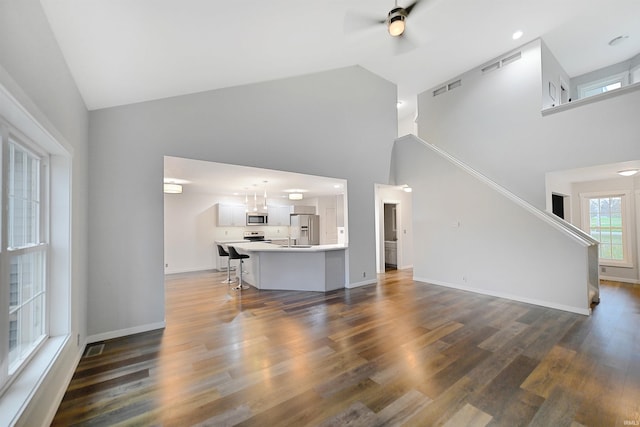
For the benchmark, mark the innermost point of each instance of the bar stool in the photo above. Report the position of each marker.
(223, 253)
(233, 254)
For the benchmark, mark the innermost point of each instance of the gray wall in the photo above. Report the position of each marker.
(33, 69)
(493, 123)
(619, 68)
(468, 235)
(340, 123)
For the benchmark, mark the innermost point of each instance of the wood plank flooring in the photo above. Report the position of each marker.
(396, 353)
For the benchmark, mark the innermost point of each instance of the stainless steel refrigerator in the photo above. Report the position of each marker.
(305, 229)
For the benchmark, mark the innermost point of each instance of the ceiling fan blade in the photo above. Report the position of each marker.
(354, 22)
(409, 8)
(403, 44)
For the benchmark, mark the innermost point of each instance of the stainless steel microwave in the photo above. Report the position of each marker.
(254, 218)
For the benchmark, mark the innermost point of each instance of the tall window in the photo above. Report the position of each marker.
(24, 255)
(605, 218)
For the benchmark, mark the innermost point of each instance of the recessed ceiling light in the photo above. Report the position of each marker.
(172, 188)
(517, 35)
(617, 40)
(628, 172)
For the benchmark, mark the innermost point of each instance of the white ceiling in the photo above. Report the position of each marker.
(126, 51)
(232, 180)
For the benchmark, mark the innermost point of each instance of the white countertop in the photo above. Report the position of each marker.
(269, 247)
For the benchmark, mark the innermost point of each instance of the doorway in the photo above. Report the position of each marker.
(560, 205)
(390, 236)
(393, 218)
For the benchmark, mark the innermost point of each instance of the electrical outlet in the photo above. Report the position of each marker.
(166, 265)
(364, 274)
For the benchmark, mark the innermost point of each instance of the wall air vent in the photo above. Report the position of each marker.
(440, 91)
(509, 59)
(454, 85)
(491, 67)
(504, 61)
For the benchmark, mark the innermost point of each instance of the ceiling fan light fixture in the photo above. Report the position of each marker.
(395, 22)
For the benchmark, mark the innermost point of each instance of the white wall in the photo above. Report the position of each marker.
(34, 71)
(407, 125)
(470, 236)
(494, 124)
(340, 123)
(553, 74)
(189, 232)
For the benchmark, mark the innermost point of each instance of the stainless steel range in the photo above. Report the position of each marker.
(254, 236)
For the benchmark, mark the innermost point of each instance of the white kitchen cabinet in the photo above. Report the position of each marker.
(279, 215)
(231, 216)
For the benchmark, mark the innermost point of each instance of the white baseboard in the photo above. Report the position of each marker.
(190, 270)
(578, 310)
(124, 332)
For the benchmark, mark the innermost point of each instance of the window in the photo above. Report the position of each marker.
(23, 253)
(635, 74)
(35, 255)
(603, 85)
(605, 218)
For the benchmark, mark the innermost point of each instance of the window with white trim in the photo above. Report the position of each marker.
(23, 253)
(635, 74)
(605, 216)
(603, 85)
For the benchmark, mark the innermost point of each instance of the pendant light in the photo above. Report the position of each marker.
(265, 196)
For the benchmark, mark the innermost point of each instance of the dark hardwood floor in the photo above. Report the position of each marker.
(396, 353)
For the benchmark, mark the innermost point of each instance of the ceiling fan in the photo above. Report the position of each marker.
(395, 20)
(395, 23)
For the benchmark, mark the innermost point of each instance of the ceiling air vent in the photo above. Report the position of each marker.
(454, 85)
(491, 67)
(440, 91)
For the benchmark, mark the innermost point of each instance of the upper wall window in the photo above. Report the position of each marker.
(635, 74)
(602, 85)
(605, 216)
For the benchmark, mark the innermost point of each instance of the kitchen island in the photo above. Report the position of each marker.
(317, 268)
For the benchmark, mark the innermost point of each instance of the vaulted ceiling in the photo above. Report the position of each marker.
(126, 51)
